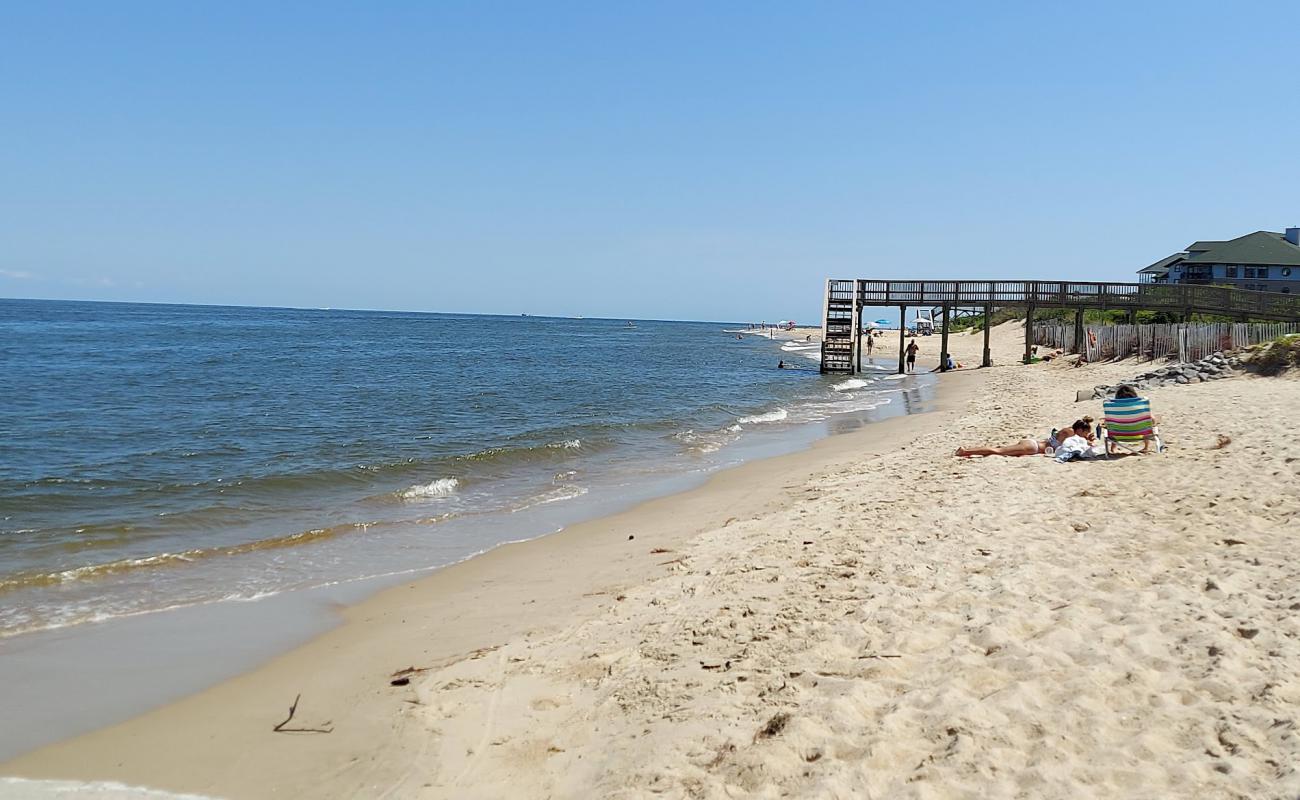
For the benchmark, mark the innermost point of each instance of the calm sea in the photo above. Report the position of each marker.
(158, 456)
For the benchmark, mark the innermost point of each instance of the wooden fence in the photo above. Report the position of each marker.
(1184, 342)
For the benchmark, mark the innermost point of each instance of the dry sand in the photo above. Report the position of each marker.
(873, 618)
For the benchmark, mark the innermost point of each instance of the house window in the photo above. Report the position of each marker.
(1232, 272)
(1261, 272)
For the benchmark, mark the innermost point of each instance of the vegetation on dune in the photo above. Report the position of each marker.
(1275, 357)
(1090, 317)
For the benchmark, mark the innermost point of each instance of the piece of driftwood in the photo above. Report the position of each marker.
(293, 709)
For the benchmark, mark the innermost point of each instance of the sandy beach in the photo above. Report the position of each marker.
(870, 618)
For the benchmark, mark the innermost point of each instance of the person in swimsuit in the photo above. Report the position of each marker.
(1031, 447)
(1059, 435)
(912, 350)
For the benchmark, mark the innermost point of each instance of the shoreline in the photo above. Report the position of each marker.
(156, 655)
(370, 622)
(870, 617)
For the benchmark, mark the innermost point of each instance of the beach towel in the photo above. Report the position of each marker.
(1074, 447)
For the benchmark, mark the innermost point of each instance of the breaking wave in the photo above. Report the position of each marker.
(439, 488)
(771, 416)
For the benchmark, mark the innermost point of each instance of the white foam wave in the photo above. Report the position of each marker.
(699, 443)
(570, 444)
(556, 495)
(708, 442)
(771, 416)
(850, 384)
(439, 488)
(14, 788)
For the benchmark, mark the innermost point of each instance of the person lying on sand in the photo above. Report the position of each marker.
(1059, 435)
(1032, 447)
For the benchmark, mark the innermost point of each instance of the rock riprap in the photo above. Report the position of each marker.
(1211, 368)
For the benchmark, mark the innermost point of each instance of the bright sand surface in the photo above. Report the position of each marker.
(870, 618)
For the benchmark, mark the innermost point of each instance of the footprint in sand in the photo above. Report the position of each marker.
(548, 703)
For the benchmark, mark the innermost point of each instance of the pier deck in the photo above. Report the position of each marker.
(846, 299)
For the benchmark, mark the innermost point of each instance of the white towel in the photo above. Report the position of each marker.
(1074, 447)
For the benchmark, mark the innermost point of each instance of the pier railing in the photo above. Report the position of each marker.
(846, 301)
(1073, 294)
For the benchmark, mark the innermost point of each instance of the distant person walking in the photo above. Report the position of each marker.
(870, 342)
(912, 350)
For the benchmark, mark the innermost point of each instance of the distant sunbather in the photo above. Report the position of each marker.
(1031, 447)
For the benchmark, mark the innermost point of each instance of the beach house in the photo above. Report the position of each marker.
(1264, 261)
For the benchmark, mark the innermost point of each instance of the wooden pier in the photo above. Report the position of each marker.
(847, 299)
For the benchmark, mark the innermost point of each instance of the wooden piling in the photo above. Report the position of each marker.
(1078, 332)
(902, 337)
(1029, 333)
(857, 328)
(988, 323)
(943, 340)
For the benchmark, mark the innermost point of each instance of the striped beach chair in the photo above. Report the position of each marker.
(1128, 422)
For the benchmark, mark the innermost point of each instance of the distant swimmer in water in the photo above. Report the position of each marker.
(780, 365)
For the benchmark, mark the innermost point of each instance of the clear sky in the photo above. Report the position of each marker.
(686, 160)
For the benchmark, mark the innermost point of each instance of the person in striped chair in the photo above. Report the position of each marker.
(1128, 420)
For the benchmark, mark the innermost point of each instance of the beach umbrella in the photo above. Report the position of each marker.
(882, 322)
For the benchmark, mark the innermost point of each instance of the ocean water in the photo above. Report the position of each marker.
(160, 456)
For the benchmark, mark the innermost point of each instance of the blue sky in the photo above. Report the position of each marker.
(669, 160)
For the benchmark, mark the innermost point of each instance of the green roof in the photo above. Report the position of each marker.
(1162, 266)
(1261, 247)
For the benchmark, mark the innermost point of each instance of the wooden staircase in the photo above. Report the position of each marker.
(839, 328)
